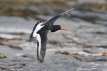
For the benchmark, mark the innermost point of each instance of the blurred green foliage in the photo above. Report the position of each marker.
(6, 6)
(96, 6)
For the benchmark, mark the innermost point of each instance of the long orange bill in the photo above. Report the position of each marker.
(64, 29)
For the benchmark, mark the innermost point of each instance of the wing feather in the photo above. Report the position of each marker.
(41, 45)
(51, 21)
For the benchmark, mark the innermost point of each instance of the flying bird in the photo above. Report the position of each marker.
(40, 31)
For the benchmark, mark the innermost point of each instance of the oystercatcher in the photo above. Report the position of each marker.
(40, 31)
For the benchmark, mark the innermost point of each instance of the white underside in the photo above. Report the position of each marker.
(39, 40)
(38, 27)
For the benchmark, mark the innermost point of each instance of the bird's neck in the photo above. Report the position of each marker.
(54, 28)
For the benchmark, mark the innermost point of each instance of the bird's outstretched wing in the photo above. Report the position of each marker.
(51, 21)
(41, 45)
(66, 12)
(31, 35)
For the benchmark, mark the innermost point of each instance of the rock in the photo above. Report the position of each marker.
(2, 56)
(58, 62)
(84, 39)
(89, 15)
(92, 1)
(91, 58)
(99, 22)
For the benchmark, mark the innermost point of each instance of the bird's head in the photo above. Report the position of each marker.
(55, 28)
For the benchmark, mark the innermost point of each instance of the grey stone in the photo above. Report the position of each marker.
(84, 38)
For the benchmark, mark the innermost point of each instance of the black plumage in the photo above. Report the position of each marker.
(40, 31)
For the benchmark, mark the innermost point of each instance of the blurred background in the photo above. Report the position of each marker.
(87, 25)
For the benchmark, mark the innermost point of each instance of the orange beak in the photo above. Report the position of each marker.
(64, 29)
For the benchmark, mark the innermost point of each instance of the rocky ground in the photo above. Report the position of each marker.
(84, 48)
(84, 45)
